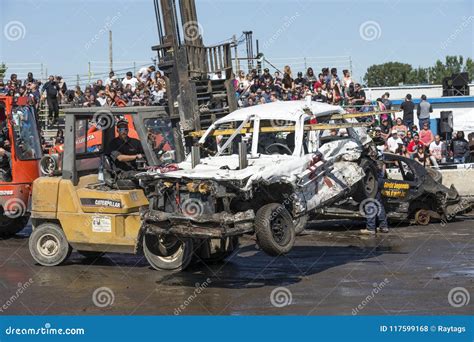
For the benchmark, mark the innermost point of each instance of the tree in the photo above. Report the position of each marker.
(452, 65)
(387, 74)
(469, 68)
(3, 70)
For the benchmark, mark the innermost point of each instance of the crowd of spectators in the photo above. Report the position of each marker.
(400, 136)
(327, 86)
(147, 87)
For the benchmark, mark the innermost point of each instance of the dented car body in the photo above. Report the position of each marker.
(260, 170)
(410, 192)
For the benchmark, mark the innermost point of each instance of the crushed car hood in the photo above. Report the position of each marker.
(270, 168)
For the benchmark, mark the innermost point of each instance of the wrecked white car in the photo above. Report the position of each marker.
(259, 170)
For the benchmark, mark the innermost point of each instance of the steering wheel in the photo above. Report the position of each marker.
(277, 148)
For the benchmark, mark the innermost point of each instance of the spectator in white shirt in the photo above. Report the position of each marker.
(109, 79)
(101, 98)
(394, 142)
(129, 79)
(437, 151)
(145, 73)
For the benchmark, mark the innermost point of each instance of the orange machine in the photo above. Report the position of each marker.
(20, 154)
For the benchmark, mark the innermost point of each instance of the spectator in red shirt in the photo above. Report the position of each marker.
(412, 147)
(426, 136)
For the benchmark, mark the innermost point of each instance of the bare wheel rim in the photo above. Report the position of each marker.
(48, 245)
(168, 248)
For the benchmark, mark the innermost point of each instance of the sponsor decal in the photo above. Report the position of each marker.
(101, 224)
(100, 202)
(394, 189)
(6, 192)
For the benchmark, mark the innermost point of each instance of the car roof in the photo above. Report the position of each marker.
(282, 110)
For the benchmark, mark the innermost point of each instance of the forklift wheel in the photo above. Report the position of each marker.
(168, 253)
(422, 217)
(274, 229)
(48, 245)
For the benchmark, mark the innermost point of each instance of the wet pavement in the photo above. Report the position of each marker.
(331, 270)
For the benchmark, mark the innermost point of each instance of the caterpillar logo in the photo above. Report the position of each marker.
(99, 202)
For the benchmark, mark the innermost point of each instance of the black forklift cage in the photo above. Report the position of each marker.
(72, 115)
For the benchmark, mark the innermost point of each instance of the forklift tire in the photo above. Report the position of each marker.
(300, 224)
(168, 253)
(48, 245)
(274, 229)
(91, 255)
(10, 226)
(367, 186)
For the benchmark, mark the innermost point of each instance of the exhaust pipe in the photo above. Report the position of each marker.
(243, 161)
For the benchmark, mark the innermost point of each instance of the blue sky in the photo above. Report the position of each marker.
(66, 35)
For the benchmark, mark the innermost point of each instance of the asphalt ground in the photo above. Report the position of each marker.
(332, 270)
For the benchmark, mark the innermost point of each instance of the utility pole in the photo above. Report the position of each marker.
(89, 72)
(110, 52)
(236, 57)
(77, 80)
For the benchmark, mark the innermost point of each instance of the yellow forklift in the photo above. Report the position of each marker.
(92, 207)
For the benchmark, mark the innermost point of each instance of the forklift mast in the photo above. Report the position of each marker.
(195, 98)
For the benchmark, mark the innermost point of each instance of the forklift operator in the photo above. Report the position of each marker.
(124, 150)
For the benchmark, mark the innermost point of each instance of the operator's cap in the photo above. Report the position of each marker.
(378, 129)
(394, 131)
(122, 123)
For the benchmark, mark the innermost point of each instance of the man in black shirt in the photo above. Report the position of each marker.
(359, 96)
(125, 150)
(52, 90)
(408, 108)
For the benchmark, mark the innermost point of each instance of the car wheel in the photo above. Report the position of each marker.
(274, 229)
(368, 186)
(168, 253)
(48, 245)
(422, 217)
(300, 224)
